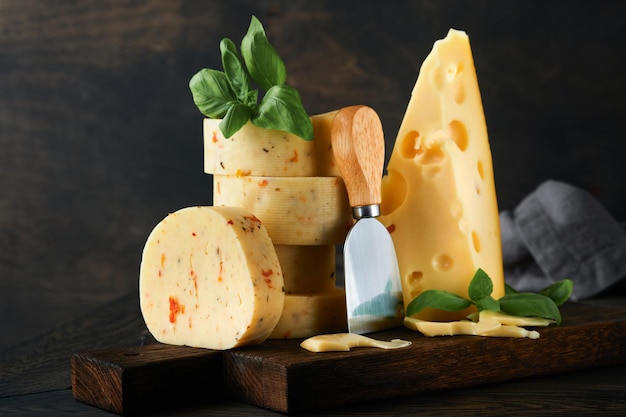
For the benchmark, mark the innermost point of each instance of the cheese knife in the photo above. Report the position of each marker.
(372, 278)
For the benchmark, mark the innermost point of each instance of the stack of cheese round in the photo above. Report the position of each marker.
(292, 186)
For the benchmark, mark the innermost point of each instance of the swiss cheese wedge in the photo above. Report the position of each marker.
(439, 197)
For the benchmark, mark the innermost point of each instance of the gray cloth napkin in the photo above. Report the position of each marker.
(560, 231)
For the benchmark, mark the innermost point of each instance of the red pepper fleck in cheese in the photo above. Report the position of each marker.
(439, 198)
(264, 152)
(295, 210)
(210, 278)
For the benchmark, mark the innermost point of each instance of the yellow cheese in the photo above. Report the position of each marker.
(512, 331)
(295, 210)
(436, 328)
(264, 152)
(306, 315)
(484, 327)
(307, 269)
(342, 342)
(210, 278)
(508, 319)
(438, 197)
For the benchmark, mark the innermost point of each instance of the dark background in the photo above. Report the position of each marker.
(99, 137)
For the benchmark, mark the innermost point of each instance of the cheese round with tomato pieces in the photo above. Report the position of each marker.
(307, 269)
(295, 210)
(210, 278)
(306, 315)
(265, 152)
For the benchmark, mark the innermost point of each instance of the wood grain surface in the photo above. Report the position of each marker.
(99, 137)
(597, 391)
(43, 363)
(139, 379)
(279, 375)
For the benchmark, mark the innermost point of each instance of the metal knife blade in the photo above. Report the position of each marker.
(372, 277)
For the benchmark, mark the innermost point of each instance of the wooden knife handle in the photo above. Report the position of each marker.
(358, 145)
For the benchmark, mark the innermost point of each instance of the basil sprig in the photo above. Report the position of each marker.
(522, 304)
(229, 94)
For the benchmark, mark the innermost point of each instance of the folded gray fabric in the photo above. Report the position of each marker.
(560, 231)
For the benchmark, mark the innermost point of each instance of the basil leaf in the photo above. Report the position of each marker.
(525, 304)
(211, 92)
(439, 299)
(559, 292)
(236, 116)
(488, 303)
(229, 94)
(234, 68)
(251, 98)
(508, 289)
(262, 61)
(480, 286)
(281, 109)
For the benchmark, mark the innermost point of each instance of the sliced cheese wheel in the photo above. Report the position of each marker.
(307, 269)
(306, 315)
(295, 210)
(210, 278)
(439, 197)
(264, 152)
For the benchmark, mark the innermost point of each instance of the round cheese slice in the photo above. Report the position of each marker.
(307, 269)
(210, 278)
(264, 152)
(306, 315)
(295, 210)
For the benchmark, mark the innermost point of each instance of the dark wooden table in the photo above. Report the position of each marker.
(100, 139)
(35, 379)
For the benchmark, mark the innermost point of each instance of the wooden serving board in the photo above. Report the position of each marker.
(280, 375)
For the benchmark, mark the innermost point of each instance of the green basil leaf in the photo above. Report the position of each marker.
(229, 94)
(439, 299)
(281, 109)
(525, 304)
(211, 92)
(559, 292)
(508, 289)
(234, 68)
(236, 116)
(262, 61)
(488, 303)
(251, 98)
(480, 286)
